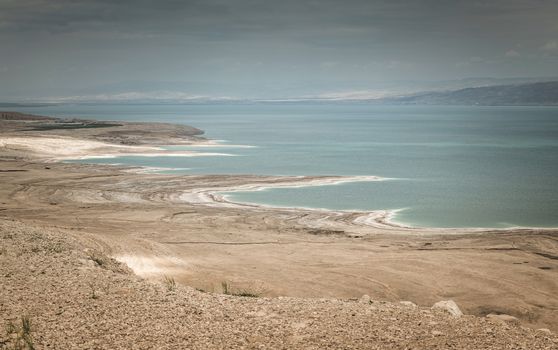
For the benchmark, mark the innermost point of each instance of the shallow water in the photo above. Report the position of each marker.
(454, 166)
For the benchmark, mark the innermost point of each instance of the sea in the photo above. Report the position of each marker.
(448, 166)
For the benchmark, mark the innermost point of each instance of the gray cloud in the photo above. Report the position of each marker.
(243, 45)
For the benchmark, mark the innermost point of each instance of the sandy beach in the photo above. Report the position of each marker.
(181, 226)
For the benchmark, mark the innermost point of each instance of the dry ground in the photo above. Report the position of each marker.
(75, 297)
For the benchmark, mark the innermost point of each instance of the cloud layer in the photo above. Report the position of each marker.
(245, 48)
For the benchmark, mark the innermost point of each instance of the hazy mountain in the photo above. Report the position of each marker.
(471, 91)
(542, 93)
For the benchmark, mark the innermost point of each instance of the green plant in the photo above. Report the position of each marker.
(246, 293)
(170, 283)
(98, 260)
(93, 291)
(96, 257)
(23, 339)
(228, 290)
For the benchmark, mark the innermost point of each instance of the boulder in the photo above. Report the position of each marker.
(544, 330)
(449, 306)
(408, 303)
(365, 299)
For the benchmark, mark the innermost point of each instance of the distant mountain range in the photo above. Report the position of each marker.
(477, 91)
(542, 93)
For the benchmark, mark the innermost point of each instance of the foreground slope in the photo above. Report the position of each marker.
(75, 297)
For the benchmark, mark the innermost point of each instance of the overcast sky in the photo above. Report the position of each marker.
(250, 48)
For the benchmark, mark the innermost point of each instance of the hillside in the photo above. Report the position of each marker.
(59, 291)
(543, 93)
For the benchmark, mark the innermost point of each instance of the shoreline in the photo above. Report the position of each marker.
(49, 149)
(387, 216)
(43, 148)
(58, 146)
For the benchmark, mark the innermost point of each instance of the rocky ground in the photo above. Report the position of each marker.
(59, 291)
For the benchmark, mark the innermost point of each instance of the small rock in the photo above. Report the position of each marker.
(300, 325)
(544, 330)
(408, 303)
(503, 318)
(449, 306)
(437, 333)
(87, 262)
(365, 299)
(122, 291)
(260, 313)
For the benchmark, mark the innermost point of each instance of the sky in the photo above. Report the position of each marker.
(231, 49)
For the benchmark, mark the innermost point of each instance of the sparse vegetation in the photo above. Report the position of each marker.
(98, 259)
(246, 293)
(72, 125)
(20, 335)
(170, 283)
(106, 262)
(225, 286)
(94, 294)
(228, 290)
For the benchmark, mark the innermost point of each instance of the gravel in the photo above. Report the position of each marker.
(78, 298)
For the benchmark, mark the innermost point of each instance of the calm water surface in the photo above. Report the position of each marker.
(453, 166)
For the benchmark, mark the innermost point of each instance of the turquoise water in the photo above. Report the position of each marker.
(454, 166)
